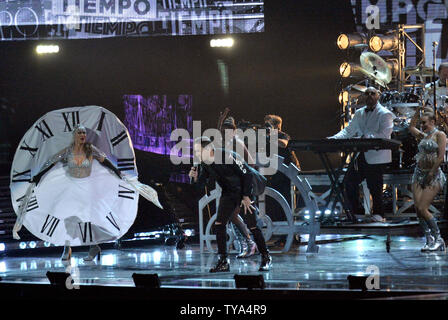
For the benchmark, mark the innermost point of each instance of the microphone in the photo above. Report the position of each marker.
(195, 166)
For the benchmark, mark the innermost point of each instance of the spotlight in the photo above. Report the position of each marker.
(349, 69)
(220, 43)
(383, 42)
(32, 244)
(393, 66)
(2, 247)
(146, 280)
(343, 97)
(47, 49)
(249, 282)
(22, 245)
(355, 40)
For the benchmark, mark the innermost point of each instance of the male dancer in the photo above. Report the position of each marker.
(235, 177)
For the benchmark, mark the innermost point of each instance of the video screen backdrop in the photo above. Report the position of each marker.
(432, 13)
(150, 120)
(84, 19)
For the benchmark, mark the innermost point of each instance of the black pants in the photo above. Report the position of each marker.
(373, 173)
(228, 206)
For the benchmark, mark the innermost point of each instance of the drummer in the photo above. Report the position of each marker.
(441, 88)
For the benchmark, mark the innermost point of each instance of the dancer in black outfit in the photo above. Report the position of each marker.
(235, 177)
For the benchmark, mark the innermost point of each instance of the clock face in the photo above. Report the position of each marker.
(83, 211)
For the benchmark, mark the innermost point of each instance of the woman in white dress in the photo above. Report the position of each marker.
(81, 194)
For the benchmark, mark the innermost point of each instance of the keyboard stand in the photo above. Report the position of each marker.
(337, 187)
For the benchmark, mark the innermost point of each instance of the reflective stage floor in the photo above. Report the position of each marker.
(404, 268)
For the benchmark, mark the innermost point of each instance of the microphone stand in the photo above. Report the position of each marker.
(434, 44)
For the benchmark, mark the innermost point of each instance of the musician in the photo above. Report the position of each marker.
(441, 88)
(428, 179)
(370, 121)
(279, 181)
(275, 122)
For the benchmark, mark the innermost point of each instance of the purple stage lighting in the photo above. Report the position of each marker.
(150, 120)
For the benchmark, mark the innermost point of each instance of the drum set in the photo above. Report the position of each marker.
(403, 104)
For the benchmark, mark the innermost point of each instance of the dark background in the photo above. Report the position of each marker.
(292, 69)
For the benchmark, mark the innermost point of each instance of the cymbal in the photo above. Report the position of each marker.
(355, 89)
(419, 70)
(375, 67)
(359, 88)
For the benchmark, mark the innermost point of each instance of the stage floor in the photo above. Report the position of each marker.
(405, 268)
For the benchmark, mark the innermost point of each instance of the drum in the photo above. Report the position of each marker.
(389, 98)
(407, 105)
(404, 157)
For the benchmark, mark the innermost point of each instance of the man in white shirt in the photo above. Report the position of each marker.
(371, 121)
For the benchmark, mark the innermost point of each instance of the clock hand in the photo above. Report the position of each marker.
(22, 211)
(144, 190)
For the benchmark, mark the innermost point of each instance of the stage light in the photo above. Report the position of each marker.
(146, 280)
(222, 43)
(32, 244)
(328, 212)
(46, 244)
(348, 69)
(383, 42)
(249, 282)
(393, 66)
(22, 245)
(47, 49)
(2, 247)
(343, 97)
(355, 40)
(188, 232)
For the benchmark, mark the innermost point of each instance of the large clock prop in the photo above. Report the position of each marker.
(61, 208)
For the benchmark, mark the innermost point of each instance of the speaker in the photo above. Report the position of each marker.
(249, 281)
(149, 281)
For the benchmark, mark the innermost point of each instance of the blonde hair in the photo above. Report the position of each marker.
(275, 120)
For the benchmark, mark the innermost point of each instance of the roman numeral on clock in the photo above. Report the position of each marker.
(100, 123)
(86, 230)
(125, 192)
(45, 130)
(74, 120)
(26, 147)
(32, 203)
(116, 140)
(111, 219)
(50, 225)
(24, 176)
(125, 164)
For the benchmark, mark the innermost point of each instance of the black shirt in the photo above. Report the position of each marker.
(233, 174)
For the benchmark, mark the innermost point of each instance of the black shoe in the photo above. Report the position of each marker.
(222, 265)
(266, 262)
